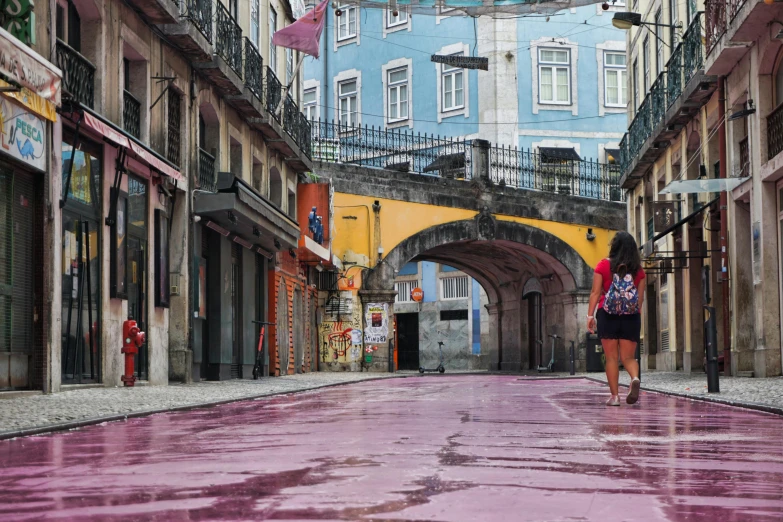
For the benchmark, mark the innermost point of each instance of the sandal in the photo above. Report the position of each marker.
(614, 400)
(633, 391)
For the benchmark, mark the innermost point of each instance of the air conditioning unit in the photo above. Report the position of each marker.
(174, 283)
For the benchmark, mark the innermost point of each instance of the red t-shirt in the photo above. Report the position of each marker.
(604, 268)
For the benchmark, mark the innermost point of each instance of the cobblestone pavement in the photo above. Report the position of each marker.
(733, 390)
(75, 406)
(460, 448)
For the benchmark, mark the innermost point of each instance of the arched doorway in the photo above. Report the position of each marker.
(298, 330)
(283, 334)
(533, 293)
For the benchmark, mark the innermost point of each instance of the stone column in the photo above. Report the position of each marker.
(493, 351)
(180, 355)
(384, 300)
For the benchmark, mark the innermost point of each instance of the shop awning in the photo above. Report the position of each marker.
(701, 186)
(555, 154)
(242, 212)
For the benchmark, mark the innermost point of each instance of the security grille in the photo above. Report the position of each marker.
(454, 287)
(665, 341)
(404, 289)
(339, 304)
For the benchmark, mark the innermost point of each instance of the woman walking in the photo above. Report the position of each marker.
(617, 297)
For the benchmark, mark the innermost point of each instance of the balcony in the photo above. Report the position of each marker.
(158, 11)
(250, 102)
(775, 132)
(225, 68)
(673, 100)
(207, 175)
(730, 24)
(193, 32)
(78, 74)
(131, 114)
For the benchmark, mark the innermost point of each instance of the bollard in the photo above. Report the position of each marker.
(573, 368)
(711, 349)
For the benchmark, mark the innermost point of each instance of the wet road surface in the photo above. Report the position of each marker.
(457, 448)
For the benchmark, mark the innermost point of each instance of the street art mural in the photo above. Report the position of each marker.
(340, 332)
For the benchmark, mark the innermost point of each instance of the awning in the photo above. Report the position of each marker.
(554, 154)
(238, 209)
(447, 162)
(701, 186)
(121, 138)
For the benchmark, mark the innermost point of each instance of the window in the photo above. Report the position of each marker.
(398, 94)
(404, 289)
(255, 8)
(554, 76)
(616, 80)
(233, 8)
(454, 287)
(346, 24)
(348, 103)
(272, 47)
(646, 63)
(289, 65)
(393, 20)
(673, 20)
(658, 43)
(310, 105)
(453, 315)
(635, 80)
(453, 95)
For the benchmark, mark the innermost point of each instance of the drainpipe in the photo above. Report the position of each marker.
(724, 226)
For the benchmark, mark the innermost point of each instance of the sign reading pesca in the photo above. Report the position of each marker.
(23, 135)
(417, 294)
(462, 62)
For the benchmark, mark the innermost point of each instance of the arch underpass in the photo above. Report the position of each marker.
(532, 252)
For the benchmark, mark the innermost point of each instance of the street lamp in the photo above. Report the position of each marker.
(625, 20)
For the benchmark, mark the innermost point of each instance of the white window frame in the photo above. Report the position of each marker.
(464, 110)
(347, 10)
(404, 289)
(659, 63)
(635, 83)
(455, 292)
(289, 65)
(622, 81)
(396, 88)
(674, 19)
(559, 44)
(255, 12)
(396, 21)
(646, 65)
(448, 71)
(341, 78)
(310, 109)
(386, 69)
(272, 47)
(554, 66)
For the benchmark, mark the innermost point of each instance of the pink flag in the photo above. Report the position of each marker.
(304, 34)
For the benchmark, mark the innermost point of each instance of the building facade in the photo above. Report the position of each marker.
(699, 168)
(170, 195)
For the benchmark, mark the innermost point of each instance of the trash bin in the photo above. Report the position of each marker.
(595, 354)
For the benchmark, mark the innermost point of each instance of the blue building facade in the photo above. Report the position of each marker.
(556, 87)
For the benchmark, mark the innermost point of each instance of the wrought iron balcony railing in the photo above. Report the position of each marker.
(228, 38)
(658, 100)
(744, 157)
(254, 70)
(199, 12)
(674, 76)
(734, 7)
(78, 74)
(714, 23)
(775, 132)
(274, 90)
(207, 176)
(305, 135)
(131, 114)
(693, 57)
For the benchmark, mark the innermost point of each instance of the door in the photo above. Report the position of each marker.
(236, 311)
(535, 329)
(313, 337)
(408, 338)
(298, 331)
(137, 299)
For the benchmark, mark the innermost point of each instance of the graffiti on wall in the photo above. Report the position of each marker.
(338, 339)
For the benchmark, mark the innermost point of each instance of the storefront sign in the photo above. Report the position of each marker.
(24, 135)
(377, 321)
(22, 65)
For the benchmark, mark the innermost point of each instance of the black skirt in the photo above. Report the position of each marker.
(626, 327)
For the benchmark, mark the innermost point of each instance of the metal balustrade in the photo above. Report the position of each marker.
(693, 57)
(199, 12)
(131, 114)
(254, 70)
(228, 38)
(274, 91)
(714, 23)
(775, 132)
(207, 175)
(78, 74)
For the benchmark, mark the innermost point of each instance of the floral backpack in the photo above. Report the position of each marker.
(622, 297)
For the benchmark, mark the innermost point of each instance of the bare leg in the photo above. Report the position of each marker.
(611, 349)
(628, 355)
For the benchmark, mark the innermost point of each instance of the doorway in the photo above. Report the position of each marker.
(298, 331)
(535, 321)
(137, 265)
(408, 338)
(236, 311)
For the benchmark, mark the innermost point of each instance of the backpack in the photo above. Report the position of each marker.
(622, 297)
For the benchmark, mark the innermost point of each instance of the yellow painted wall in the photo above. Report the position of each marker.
(355, 240)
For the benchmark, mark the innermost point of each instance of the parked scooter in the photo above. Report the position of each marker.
(549, 367)
(440, 368)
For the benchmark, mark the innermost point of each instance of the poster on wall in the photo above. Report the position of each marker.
(377, 323)
(356, 336)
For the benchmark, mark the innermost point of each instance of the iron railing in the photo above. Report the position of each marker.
(131, 114)
(404, 151)
(305, 135)
(658, 99)
(228, 41)
(744, 157)
(775, 132)
(674, 76)
(274, 91)
(254, 70)
(693, 57)
(207, 176)
(714, 23)
(174, 130)
(78, 74)
(734, 7)
(199, 12)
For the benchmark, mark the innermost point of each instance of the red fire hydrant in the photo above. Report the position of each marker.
(132, 339)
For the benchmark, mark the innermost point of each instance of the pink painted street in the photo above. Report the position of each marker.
(453, 448)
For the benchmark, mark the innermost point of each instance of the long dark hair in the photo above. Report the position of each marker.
(624, 255)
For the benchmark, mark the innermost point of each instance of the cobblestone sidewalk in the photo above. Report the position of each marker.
(737, 391)
(38, 413)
